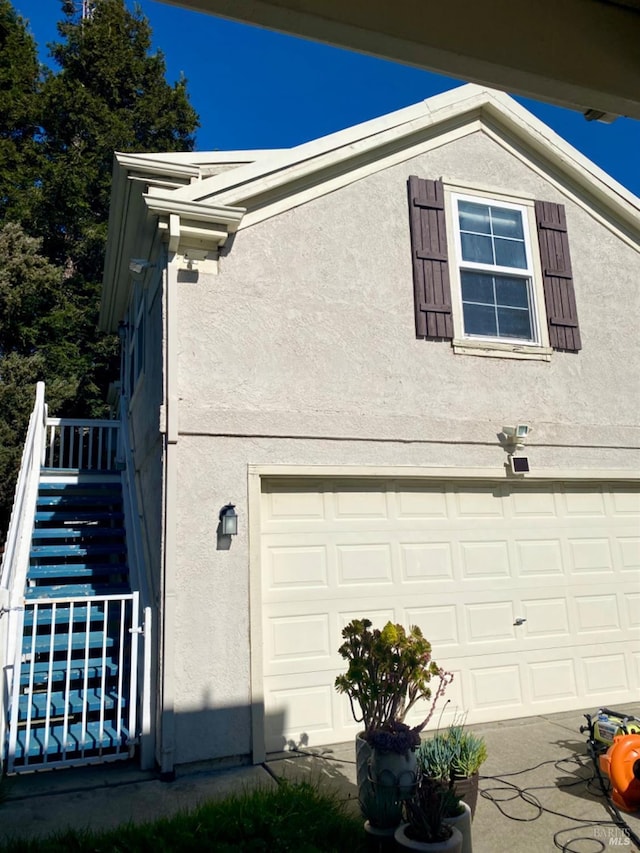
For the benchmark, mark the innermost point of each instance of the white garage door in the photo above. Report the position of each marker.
(528, 592)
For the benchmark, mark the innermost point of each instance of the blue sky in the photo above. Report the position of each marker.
(256, 89)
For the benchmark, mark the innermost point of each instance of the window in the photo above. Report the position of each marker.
(508, 267)
(495, 270)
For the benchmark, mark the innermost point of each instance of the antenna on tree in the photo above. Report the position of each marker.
(87, 9)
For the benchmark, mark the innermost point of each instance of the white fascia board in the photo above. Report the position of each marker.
(156, 165)
(215, 158)
(165, 205)
(431, 111)
(464, 104)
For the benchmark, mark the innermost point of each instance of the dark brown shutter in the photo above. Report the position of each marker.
(431, 288)
(559, 294)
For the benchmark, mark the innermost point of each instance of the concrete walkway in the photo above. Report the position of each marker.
(537, 786)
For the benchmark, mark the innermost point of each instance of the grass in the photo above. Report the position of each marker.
(297, 817)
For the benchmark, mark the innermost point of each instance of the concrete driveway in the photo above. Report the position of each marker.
(538, 791)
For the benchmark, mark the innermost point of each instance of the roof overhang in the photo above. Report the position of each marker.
(581, 54)
(145, 213)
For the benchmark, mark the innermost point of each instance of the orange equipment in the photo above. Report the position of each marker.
(621, 763)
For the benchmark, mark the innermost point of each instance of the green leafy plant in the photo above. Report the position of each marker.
(470, 751)
(426, 809)
(388, 671)
(452, 754)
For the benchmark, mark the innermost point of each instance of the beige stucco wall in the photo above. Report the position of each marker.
(302, 351)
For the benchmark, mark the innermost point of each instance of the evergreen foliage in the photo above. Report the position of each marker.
(59, 129)
(19, 74)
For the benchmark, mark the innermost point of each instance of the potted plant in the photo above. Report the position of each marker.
(393, 759)
(454, 756)
(388, 672)
(425, 812)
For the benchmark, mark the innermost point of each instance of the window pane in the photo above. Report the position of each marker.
(507, 223)
(474, 217)
(477, 287)
(513, 292)
(477, 249)
(514, 323)
(479, 319)
(510, 253)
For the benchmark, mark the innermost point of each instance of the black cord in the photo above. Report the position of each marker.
(514, 792)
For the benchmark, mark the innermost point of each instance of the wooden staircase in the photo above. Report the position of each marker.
(74, 697)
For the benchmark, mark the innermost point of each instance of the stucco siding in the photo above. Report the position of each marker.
(302, 351)
(312, 313)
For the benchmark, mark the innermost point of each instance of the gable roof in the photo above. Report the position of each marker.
(228, 191)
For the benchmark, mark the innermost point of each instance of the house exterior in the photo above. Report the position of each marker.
(353, 341)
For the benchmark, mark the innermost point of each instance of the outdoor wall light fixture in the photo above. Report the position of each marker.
(514, 440)
(228, 520)
(515, 437)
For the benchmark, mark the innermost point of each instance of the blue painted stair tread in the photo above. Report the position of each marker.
(66, 515)
(80, 500)
(67, 590)
(76, 570)
(83, 532)
(39, 552)
(63, 614)
(41, 644)
(94, 669)
(73, 703)
(87, 483)
(93, 739)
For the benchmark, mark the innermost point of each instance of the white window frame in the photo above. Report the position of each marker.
(538, 347)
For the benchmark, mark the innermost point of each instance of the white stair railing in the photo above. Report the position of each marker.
(89, 445)
(79, 705)
(15, 560)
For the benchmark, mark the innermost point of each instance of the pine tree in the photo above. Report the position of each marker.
(108, 93)
(19, 79)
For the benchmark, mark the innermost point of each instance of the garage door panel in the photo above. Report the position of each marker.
(626, 502)
(364, 564)
(606, 674)
(539, 557)
(552, 680)
(628, 548)
(590, 554)
(416, 502)
(440, 622)
(426, 561)
(529, 593)
(632, 608)
(487, 559)
(299, 712)
(597, 613)
(295, 567)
